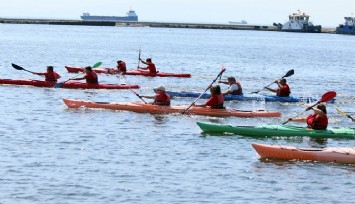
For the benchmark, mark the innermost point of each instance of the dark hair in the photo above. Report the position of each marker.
(50, 68)
(119, 61)
(322, 108)
(215, 90)
(283, 79)
(149, 59)
(88, 68)
(231, 78)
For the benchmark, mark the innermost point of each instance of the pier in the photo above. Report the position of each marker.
(148, 24)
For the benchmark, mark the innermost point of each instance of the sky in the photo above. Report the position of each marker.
(328, 13)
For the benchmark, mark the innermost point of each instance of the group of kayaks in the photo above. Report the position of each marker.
(344, 155)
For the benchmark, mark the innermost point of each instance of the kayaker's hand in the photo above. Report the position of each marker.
(309, 108)
(289, 119)
(193, 104)
(277, 81)
(219, 81)
(353, 119)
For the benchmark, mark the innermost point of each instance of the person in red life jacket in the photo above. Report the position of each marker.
(121, 66)
(216, 100)
(151, 66)
(90, 76)
(161, 98)
(50, 75)
(318, 120)
(283, 90)
(235, 88)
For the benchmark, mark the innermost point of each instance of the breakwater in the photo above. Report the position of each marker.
(148, 24)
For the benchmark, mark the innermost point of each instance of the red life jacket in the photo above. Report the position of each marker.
(317, 122)
(122, 67)
(216, 101)
(162, 99)
(152, 68)
(239, 91)
(91, 78)
(51, 76)
(284, 91)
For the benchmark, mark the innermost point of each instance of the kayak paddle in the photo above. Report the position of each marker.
(220, 73)
(139, 57)
(326, 97)
(60, 85)
(344, 114)
(129, 87)
(20, 68)
(289, 73)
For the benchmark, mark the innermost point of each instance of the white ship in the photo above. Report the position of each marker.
(299, 22)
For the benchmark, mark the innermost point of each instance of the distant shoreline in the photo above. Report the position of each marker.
(148, 24)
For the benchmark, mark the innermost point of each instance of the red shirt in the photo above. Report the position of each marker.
(283, 91)
(122, 67)
(51, 76)
(91, 78)
(162, 99)
(216, 101)
(151, 67)
(317, 122)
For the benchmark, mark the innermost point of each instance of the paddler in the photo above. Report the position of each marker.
(235, 88)
(161, 98)
(318, 120)
(50, 75)
(90, 76)
(121, 66)
(216, 100)
(282, 90)
(150, 66)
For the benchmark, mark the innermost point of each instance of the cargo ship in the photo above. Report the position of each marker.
(348, 27)
(131, 16)
(299, 22)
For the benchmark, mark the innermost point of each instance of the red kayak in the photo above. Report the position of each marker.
(67, 85)
(129, 72)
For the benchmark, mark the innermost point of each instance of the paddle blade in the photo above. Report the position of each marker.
(289, 73)
(97, 65)
(17, 67)
(327, 96)
(341, 112)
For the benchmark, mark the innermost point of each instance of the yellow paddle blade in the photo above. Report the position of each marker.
(342, 112)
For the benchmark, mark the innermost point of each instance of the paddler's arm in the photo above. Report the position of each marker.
(223, 82)
(81, 78)
(298, 120)
(152, 97)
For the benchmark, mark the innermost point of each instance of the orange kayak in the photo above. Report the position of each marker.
(155, 109)
(330, 154)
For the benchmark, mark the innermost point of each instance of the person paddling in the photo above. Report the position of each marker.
(90, 76)
(318, 120)
(283, 89)
(161, 98)
(216, 100)
(150, 66)
(235, 88)
(50, 75)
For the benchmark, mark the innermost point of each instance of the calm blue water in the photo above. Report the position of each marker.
(50, 154)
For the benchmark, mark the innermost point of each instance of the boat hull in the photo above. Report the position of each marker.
(155, 109)
(71, 69)
(277, 130)
(332, 154)
(67, 85)
(247, 97)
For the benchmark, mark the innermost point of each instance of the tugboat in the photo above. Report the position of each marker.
(299, 22)
(348, 27)
(131, 16)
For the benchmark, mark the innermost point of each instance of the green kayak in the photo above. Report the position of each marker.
(278, 130)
